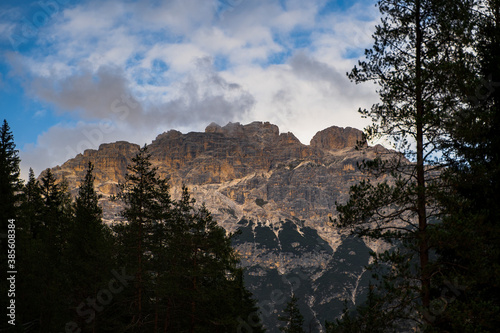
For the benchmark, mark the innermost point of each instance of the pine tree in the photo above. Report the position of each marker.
(186, 274)
(31, 253)
(56, 214)
(147, 202)
(31, 207)
(294, 321)
(469, 237)
(212, 298)
(10, 183)
(88, 257)
(416, 60)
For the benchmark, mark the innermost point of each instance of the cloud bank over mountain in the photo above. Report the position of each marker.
(101, 71)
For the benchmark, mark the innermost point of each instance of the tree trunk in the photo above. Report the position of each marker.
(421, 195)
(193, 302)
(167, 315)
(139, 274)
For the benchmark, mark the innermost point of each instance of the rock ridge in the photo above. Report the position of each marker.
(338, 138)
(278, 192)
(230, 167)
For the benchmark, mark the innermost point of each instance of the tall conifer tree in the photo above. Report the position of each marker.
(293, 319)
(31, 252)
(416, 58)
(56, 215)
(147, 202)
(9, 175)
(88, 257)
(186, 274)
(468, 240)
(10, 184)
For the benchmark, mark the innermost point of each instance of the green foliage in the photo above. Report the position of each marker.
(90, 245)
(468, 240)
(56, 215)
(294, 320)
(31, 208)
(45, 216)
(371, 317)
(419, 54)
(438, 65)
(31, 254)
(148, 206)
(186, 274)
(9, 175)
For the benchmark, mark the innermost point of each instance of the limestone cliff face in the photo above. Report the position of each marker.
(235, 167)
(277, 191)
(110, 166)
(335, 137)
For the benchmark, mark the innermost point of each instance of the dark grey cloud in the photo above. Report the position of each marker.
(104, 104)
(91, 94)
(108, 83)
(203, 96)
(311, 69)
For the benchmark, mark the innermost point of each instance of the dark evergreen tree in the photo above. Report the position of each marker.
(213, 298)
(147, 204)
(31, 254)
(468, 241)
(31, 208)
(370, 317)
(294, 320)
(56, 215)
(88, 258)
(416, 60)
(10, 183)
(186, 274)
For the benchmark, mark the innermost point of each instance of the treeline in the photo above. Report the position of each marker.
(169, 268)
(437, 66)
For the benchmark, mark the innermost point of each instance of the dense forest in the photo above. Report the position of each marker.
(437, 66)
(171, 268)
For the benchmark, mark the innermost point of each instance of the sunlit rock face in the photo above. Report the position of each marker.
(278, 192)
(338, 138)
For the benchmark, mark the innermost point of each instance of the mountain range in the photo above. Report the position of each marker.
(279, 196)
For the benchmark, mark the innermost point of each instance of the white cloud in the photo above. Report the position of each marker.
(96, 53)
(304, 96)
(64, 141)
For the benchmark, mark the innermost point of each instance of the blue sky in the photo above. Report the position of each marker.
(75, 74)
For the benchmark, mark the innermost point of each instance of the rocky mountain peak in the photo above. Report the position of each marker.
(256, 131)
(235, 168)
(278, 192)
(172, 134)
(337, 138)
